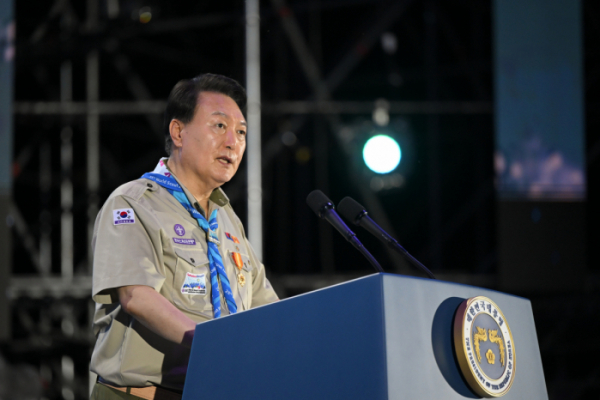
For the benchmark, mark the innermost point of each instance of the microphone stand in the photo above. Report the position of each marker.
(324, 208)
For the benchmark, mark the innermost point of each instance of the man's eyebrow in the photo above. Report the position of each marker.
(222, 114)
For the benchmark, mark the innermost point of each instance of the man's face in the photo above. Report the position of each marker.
(213, 142)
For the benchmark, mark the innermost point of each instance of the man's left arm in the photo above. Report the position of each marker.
(262, 291)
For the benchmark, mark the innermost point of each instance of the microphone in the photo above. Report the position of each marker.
(324, 208)
(353, 211)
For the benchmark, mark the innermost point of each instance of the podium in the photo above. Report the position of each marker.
(383, 336)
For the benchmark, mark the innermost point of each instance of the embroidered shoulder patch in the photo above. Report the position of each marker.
(194, 284)
(123, 216)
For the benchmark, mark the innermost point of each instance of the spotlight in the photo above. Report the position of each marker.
(382, 154)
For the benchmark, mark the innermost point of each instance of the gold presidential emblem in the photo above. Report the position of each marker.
(484, 347)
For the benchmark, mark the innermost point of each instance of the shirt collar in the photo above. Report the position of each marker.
(218, 196)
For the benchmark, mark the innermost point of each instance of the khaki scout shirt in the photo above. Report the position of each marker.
(153, 251)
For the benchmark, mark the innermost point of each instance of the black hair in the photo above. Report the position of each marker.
(183, 98)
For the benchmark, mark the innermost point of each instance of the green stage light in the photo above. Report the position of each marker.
(382, 154)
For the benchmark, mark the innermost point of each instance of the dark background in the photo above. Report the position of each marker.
(444, 213)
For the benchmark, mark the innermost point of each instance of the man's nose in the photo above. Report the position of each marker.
(230, 138)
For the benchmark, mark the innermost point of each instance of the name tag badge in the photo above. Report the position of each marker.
(123, 216)
(194, 284)
(188, 242)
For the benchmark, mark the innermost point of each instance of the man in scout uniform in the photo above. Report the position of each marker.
(169, 251)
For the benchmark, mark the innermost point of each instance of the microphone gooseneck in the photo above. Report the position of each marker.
(355, 212)
(324, 208)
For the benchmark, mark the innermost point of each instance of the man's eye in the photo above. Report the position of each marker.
(242, 132)
(220, 125)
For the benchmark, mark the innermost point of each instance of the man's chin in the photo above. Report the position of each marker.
(223, 179)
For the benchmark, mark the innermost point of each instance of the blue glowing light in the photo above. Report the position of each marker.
(382, 154)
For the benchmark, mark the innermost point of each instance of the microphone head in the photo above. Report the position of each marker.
(351, 209)
(318, 202)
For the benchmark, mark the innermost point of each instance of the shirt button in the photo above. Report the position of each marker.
(192, 260)
(149, 185)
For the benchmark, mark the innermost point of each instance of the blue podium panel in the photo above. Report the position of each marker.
(328, 344)
(379, 337)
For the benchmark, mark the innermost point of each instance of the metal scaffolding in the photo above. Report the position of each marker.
(91, 86)
(319, 102)
(254, 153)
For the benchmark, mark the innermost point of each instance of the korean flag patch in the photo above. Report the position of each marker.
(123, 216)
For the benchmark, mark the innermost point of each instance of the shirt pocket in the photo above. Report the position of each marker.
(231, 247)
(192, 282)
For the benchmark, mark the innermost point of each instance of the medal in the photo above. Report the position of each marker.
(237, 257)
(237, 260)
(241, 279)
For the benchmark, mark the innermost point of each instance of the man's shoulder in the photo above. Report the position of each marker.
(134, 190)
(131, 196)
(225, 205)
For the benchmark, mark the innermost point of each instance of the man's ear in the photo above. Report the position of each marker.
(175, 129)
